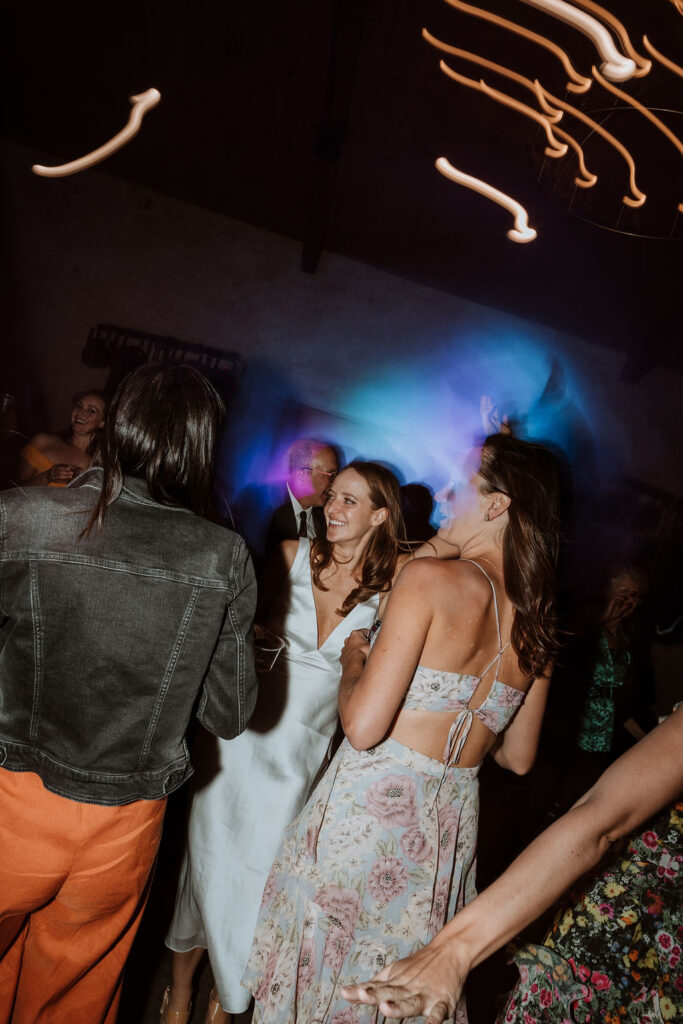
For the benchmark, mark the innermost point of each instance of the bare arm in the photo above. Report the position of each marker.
(30, 476)
(430, 982)
(371, 691)
(516, 748)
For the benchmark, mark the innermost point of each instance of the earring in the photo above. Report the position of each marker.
(487, 517)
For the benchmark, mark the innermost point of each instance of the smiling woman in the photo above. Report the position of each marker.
(54, 460)
(325, 589)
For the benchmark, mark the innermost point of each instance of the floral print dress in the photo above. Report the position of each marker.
(613, 955)
(381, 855)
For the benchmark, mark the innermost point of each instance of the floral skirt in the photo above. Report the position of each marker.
(614, 952)
(370, 870)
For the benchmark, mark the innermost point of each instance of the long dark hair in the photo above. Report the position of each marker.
(378, 561)
(528, 474)
(162, 426)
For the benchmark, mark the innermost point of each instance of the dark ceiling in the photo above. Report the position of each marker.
(321, 120)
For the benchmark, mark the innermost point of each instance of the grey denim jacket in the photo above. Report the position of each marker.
(107, 641)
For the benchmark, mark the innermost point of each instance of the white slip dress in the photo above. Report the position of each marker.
(259, 784)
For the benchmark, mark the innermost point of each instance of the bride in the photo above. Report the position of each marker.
(333, 585)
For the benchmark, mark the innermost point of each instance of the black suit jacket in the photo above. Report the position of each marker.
(285, 526)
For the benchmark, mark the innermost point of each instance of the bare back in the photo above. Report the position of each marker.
(457, 606)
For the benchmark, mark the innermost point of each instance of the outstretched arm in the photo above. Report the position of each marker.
(430, 982)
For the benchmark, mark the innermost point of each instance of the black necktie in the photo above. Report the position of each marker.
(303, 525)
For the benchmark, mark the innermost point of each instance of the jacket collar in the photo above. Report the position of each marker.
(134, 487)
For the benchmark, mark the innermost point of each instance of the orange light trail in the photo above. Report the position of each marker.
(666, 61)
(637, 198)
(550, 112)
(615, 66)
(521, 232)
(141, 103)
(586, 179)
(664, 129)
(577, 82)
(554, 148)
(642, 63)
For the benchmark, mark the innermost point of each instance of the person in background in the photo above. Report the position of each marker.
(313, 466)
(603, 678)
(615, 949)
(53, 460)
(123, 608)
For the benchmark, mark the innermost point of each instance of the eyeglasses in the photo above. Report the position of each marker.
(315, 469)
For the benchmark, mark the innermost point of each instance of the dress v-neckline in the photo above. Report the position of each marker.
(319, 646)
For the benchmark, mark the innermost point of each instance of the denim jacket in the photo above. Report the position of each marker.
(106, 642)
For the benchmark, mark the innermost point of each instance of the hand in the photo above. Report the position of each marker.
(492, 421)
(428, 983)
(355, 647)
(62, 473)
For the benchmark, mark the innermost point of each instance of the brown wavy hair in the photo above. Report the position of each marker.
(378, 561)
(528, 474)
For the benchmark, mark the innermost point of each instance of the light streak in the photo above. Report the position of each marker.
(554, 149)
(551, 113)
(141, 103)
(586, 179)
(666, 61)
(643, 64)
(637, 198)
(620, 94)
(577, 83)
(615, 66)
(521, 232)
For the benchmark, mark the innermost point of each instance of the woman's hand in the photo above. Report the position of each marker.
(491, 419)
(428, 983)
(62, 473)
(355, 650)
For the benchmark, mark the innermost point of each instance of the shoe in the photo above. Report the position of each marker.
(169, 1016)
(215, 1014)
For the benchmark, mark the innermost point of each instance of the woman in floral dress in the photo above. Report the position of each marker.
(613, 954)
(386, 847)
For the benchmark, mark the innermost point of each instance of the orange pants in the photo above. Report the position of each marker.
(74, 881)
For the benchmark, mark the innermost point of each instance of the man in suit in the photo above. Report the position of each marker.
(313, 466)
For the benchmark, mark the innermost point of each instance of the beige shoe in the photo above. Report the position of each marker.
(215, 1014)
(169, 1016)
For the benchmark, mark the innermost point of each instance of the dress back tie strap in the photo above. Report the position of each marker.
(457, 737)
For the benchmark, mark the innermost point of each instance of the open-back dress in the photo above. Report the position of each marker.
(381, 855)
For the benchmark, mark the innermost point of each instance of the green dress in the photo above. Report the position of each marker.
(613, 954)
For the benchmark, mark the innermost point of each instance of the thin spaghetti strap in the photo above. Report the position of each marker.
(495, 608)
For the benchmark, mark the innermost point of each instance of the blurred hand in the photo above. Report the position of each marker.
(61, 473)
(491, 420)
(428, 983)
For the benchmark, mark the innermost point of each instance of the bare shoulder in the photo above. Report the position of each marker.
(423, 573)
(465, 581)
(43, 441)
